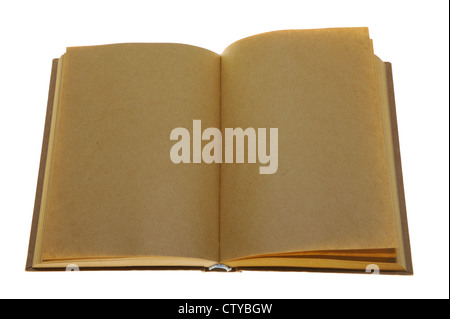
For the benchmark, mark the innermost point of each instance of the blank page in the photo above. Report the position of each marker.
(114, 191)
(331, 190)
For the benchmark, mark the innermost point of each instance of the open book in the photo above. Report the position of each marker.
(119, 189)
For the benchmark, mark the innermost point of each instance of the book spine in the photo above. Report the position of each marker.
(220, 267)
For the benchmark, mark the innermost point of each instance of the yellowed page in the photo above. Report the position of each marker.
(331, 190)
(114, 191)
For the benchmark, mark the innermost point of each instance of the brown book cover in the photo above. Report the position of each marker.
(45, 144)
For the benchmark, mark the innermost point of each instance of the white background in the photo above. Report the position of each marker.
(413, 35)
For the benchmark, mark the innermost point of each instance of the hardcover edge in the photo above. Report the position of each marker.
(398, 168)
(43, 160)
